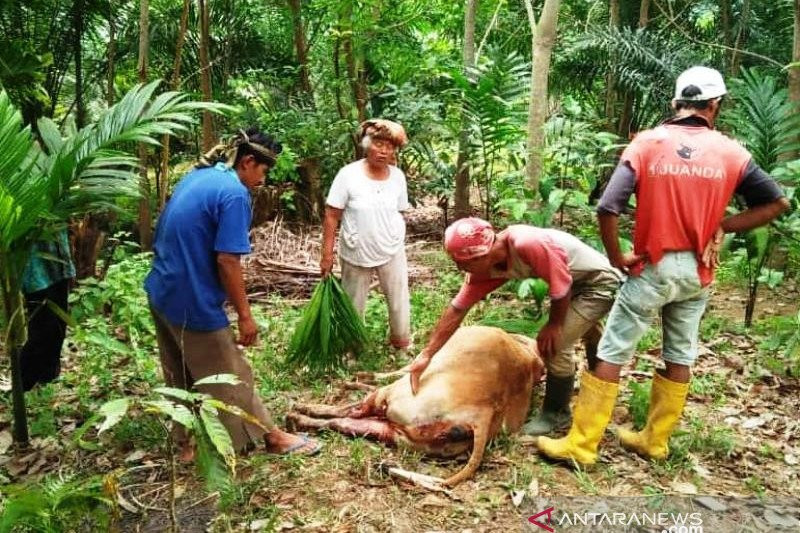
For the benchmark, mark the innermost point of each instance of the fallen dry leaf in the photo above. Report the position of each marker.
(683, 487)
(6, 439)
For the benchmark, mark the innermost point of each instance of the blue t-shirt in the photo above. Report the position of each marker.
(209, 212)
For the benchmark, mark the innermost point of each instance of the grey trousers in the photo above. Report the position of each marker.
(393, 279)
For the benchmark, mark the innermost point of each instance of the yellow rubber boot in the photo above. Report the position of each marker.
(589, 420)
(667, 399)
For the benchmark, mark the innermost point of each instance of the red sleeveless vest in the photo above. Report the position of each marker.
(685, 178)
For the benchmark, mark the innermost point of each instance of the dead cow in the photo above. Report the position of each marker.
(478, 383)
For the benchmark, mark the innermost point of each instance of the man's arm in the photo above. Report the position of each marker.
(550, 335)
(329, 226)
(754, 216)
(447, 325)
(609, 233)
(230, 273)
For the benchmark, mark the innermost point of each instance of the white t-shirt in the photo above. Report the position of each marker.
(373, 230)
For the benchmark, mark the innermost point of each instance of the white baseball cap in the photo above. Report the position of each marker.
(708, 80)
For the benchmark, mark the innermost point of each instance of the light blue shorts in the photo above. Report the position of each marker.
(671, 288)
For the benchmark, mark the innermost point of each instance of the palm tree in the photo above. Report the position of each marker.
(43, 185)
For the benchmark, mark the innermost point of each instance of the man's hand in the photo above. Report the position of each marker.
(711, 252)
(248, 331)
(416, 369)
(326, 265)
(626, 261)
(548, 339)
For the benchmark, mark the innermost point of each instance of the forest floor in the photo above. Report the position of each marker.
(734, 458)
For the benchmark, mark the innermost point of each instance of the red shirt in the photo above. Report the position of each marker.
(557, 257)
(685, 177)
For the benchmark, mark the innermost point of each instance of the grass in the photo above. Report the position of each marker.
(585, 482)
(698, 439)
(115, 359)
(709, 385)
(639, 402)
(756, 485)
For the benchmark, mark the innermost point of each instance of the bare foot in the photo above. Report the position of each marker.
(281, 442)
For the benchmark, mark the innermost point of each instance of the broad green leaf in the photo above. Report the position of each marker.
(113, 411)
(218, 379)
(176, 411)
(218, 435)
(50, 135)
(180, 394)
(234, 410)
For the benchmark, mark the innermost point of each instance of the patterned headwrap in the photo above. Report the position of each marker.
(468, 238)
(226, 152)
(380, 128)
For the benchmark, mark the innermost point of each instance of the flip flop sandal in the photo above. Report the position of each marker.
(305, 441)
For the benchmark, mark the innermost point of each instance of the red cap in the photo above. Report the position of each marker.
(468, 238)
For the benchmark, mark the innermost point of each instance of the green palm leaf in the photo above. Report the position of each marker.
(41, 187)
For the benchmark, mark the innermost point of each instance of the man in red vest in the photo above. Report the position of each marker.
(683, 174)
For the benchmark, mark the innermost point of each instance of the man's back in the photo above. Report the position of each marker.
(208, 213)
(685, 178)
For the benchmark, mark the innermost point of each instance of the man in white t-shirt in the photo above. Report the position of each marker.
(367, 197)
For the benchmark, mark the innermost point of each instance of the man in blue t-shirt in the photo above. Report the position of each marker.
(201, 234)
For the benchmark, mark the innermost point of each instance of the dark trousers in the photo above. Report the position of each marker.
(40, 358)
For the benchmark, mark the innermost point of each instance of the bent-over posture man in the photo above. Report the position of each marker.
(683, 174)
(582, 288)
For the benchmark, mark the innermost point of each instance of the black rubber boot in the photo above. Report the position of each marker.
(555, 413)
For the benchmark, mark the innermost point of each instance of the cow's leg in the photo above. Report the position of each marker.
(326, 411)
(481, 430)
(365, 408)
(371, 428)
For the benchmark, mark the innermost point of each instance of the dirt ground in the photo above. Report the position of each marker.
(735, 457)
(738, 468)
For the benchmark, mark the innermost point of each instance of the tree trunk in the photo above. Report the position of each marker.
(544, 35)
(175, 81)
(794, 72)
(727, 33)
(80, 105)
(87, 237)
(301, 46)
(337, 74)
(741, 37)
(625, 127)
(87, 243)
(611, 79)
(14, 310)
(112, 52)
(462, 181)
(308, 167)
(355, 66)
(209, 138)
(145, 217)
(644, 13)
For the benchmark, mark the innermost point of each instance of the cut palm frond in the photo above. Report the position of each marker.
(329, 328)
